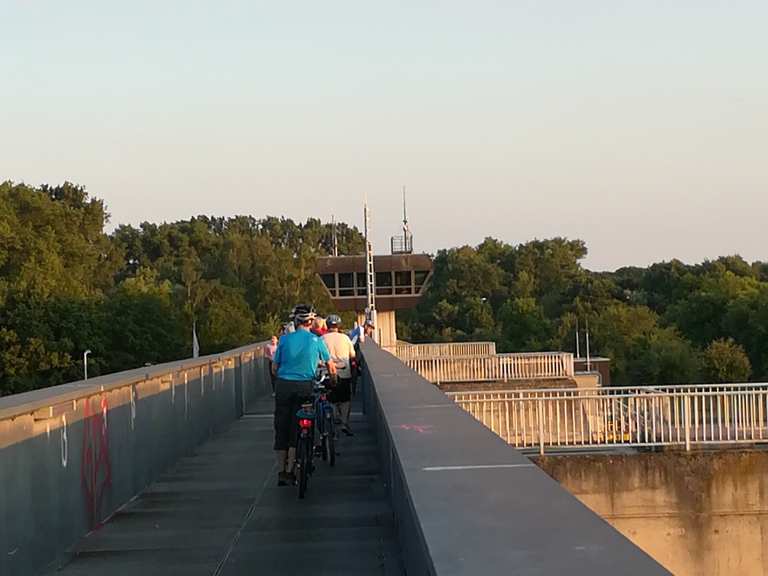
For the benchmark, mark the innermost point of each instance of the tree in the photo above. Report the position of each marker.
(226, 321)
(552, 268)
(660, 357)
(746, 321)
(664, 284)
(700, 316)
(52, 242)
(726, 361)
(55, 263)
(464, 292)
(142, 324)
(524, 326)
(615, 331)
(132, 296)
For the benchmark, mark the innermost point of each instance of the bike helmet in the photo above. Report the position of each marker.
(333, 320)
(303, 313)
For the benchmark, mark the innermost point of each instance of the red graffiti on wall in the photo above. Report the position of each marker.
(95, 469)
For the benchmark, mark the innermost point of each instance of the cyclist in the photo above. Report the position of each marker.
(369, 328)
(356, 334)
(319, 327)
(342, 353)
(295, 364)
(269, 352)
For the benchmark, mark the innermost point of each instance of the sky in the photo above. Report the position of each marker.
(638, 126)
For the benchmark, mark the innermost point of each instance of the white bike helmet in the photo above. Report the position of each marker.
(303, 313)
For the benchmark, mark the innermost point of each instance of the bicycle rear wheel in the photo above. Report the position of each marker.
(324, 448)
(303, 461)
(332, 446)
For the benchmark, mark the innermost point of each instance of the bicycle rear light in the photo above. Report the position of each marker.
(305, 423)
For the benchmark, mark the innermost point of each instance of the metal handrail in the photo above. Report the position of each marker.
(632, 417)
(615, 390)
(494, 368)
(408, 351)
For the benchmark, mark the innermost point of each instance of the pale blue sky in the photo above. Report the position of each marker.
(639, 126)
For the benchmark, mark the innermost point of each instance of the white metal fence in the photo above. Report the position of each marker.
(640, 416)
(496, 368)
(406, 351)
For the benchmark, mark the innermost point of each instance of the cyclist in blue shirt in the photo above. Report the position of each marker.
(295, 363)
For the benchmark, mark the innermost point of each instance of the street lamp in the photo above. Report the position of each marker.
(85, 363)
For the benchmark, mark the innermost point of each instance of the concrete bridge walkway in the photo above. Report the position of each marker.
(220, 512)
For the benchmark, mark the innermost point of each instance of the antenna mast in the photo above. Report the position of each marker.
(403, 244)
(335, 237)
(405, 216)
(578, 352)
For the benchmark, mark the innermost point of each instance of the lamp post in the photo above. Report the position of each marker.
(85, 364)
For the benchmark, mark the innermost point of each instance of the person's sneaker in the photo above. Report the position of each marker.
(347, 431)
(284, 478)
(291, 478)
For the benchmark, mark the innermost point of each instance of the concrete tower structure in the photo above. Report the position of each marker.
(378, 286)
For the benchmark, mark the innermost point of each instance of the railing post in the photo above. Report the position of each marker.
(687, 418)
(540, 411)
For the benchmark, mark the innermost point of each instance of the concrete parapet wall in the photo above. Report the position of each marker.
(466, 503)
(71, 455)
(699, 513)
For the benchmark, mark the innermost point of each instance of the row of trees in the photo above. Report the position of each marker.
(132, 296)
(668, 323)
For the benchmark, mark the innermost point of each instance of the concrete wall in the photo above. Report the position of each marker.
(467, 503)
(698, 514)
(588, 379)
(599, 365)
(535, 384)
(71, 455)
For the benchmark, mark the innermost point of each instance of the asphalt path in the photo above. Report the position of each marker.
(220, 512)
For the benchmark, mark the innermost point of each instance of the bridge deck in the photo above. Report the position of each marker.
(221, 512)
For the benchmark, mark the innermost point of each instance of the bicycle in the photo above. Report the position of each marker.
(325, 423)
(305, 447)
(316, 415)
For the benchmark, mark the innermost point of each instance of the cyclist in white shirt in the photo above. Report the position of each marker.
(342, 353)
(356, 334)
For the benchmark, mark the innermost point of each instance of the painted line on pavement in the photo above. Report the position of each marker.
(247, 416)
(476, 467)
(249, 514)
(432, 406)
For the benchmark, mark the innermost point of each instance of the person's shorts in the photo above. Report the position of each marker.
(342, 392)
(289, 396)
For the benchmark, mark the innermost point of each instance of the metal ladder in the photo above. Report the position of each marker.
(370, 278)
(370, 310)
